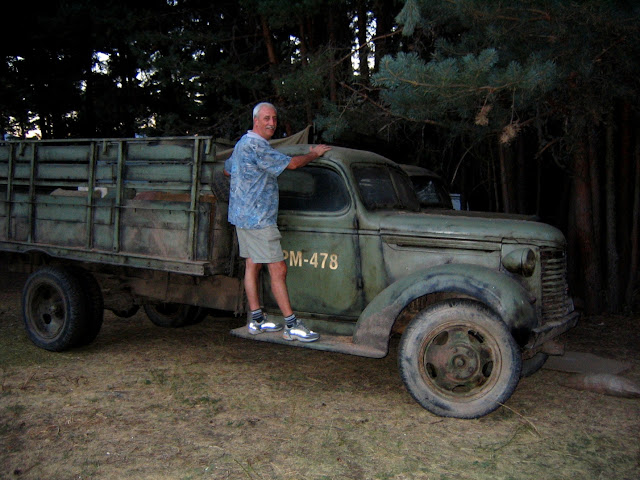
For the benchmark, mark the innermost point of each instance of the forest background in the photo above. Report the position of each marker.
(525, 107)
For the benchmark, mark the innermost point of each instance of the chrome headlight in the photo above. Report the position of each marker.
(521, 261)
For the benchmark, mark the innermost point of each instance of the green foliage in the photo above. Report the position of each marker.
(473, 89)
(409, 17)
(477, 64)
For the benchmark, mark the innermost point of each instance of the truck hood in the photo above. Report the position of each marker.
(486, 228)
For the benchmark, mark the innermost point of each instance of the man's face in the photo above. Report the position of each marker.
(265, 123)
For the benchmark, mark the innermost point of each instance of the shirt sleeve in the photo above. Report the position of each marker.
(228, 164)
(271, 160)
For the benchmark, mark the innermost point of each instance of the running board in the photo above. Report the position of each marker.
(327, 343)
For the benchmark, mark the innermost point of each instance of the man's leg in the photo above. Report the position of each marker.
(278, 274)
(257, 322)
(294, 328)
(251, 272)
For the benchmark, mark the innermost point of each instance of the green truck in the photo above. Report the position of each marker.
(475, 300)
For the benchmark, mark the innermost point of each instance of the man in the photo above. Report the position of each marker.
(254, 167)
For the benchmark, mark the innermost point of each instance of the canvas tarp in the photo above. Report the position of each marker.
(223, 151)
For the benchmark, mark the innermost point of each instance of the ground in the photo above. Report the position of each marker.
(196, 403)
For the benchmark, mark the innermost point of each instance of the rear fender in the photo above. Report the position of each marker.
(497, 291)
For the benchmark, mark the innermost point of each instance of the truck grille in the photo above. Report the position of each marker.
(555, 292)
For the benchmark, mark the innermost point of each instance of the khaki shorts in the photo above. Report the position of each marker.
(260, 245)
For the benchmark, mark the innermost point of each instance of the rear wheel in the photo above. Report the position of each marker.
(54, 308)
(126, 313)
(174, 315)
(458, 359)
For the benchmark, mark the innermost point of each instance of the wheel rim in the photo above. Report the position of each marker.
(47, 310)
(460, 361)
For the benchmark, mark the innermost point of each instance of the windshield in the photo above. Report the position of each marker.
(431, 192)
(382, 187)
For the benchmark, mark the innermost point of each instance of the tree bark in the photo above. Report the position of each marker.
(304, 50)
(613, 277)
(333, 87)
(505, 178)
(268, 41)
(363, 52)
(522, 175)
(582, 222)
(384, 15)
(632, 278)
(625, 189)
(596, 202)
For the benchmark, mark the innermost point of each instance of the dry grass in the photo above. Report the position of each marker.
(196, 403)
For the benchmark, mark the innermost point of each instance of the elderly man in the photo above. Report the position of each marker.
(254, 167)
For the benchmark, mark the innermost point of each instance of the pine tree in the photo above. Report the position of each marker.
(483, 70)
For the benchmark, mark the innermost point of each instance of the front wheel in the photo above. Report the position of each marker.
(458, 359)
(533, 364)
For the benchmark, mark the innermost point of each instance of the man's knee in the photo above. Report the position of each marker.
(278, 270)
(252, 269)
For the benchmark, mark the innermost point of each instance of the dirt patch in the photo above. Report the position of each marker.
(194, 403)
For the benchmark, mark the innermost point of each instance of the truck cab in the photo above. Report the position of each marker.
(365, 262)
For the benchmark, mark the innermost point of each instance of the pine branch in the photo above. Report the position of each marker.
(378, 105)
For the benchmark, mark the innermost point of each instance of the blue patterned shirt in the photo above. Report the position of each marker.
(254, 167)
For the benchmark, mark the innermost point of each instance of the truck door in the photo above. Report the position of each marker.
(317, 219)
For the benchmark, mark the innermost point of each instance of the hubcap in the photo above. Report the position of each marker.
(47, 312)
(459, 360)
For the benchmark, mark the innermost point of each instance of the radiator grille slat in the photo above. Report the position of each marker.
(555, 291)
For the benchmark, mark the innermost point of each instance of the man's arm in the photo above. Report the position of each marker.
(301, 160)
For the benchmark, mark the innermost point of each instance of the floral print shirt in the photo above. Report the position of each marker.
(254, 167)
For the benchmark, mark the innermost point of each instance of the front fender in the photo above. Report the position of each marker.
(496, 290)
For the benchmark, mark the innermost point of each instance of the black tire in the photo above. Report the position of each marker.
(128, 313)
(533, 364)
(95, 306)
(458, 359)
(221, 186)
(199, 315)
(174, 315)
(54, 308)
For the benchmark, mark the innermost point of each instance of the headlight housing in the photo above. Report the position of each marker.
(521, 261)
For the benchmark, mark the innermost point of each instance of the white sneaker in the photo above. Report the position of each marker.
(266, 325)
(299, 332)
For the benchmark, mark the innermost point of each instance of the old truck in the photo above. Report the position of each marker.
(476, 301)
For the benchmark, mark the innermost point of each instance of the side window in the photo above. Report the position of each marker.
(314, 189)
(376, 187)
(385, 188)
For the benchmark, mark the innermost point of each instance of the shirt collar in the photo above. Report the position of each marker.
(254, 135)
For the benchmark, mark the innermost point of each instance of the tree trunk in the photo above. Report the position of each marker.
(363, 52)
(333, 87)
(494, 184)
(632, 278)
(384, 14)
(505, 178)
(596, 202)
(268, 42)
(625, 189)
(582, 219)
(304, 50)
(522, 175)
(613, 277)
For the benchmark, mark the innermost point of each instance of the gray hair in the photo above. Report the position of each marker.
(256, 109)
